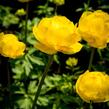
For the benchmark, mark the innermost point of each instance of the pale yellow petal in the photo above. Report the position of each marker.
(72, 49)
(44, 48)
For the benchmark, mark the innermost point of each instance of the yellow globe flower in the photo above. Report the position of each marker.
(57, 34)
(94, 28)
(10, 46)
(93, 86)
(24, 1)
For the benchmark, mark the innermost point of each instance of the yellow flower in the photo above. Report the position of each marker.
(57, 34)
(20, 12)
(94, 28)
(10, 46)
(23, 1)
(72, 62)
(59, 2)
(1, 34)
(93, 86)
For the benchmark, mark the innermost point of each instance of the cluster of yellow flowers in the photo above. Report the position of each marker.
(94, 28)
(58, 34)
(10, 46)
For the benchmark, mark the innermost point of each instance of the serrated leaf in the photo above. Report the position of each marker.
(25, 103)
(10, 19)
(43, 101)
(32, 88)
(31, 50)
(36, 60)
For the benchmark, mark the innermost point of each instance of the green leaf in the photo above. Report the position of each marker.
(104, 7)
(56, 59)
(31, 50)
(43, 101)
(36, 60)
(10, 19)
(32, 88)
(24, 103)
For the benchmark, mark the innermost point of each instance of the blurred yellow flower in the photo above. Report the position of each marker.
(93, 86)
(20, 12)
(10, 46)
(1, 34)
(94, 28)
(59, 2)
(71, 61)
(57, 34)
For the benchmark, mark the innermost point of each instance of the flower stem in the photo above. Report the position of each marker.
(100, 54)
(42, 80)
(91, 59)
(5, 80)
(88, 3)
(56, 7)
(9, 82)
(90, 106)
(26, 21)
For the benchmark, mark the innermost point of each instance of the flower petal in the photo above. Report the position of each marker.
(44, 48)
(72, 49)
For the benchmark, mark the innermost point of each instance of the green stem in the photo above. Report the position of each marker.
(5, 77)
(56, 7)
(9, 83)
(91, 59)
(42, 80)
(26, 21)
(88, 3)
(91, 106)
(100, 54)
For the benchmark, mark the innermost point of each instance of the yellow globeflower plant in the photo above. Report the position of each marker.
(55, 34)
(93, 86)
(10, 46)
(94, 28)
